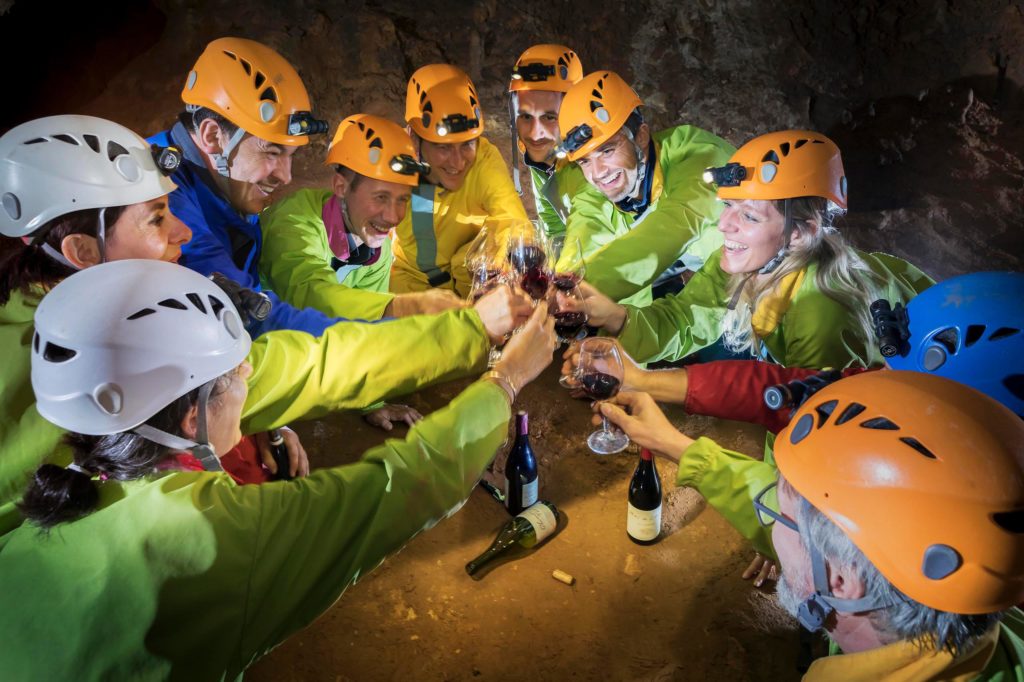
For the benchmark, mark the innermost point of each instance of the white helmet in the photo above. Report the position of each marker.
(118, 342)
(56, 165)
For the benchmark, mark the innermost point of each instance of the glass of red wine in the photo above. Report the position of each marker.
(569, 311)
(599, 373)
(529, 254)
(568, 265)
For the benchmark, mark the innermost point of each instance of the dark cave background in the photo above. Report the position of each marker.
(923, 97)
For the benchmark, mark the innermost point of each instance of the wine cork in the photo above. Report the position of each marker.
(563, 577)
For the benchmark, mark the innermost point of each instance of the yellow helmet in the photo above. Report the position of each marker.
(441, 105)
(255, 88)
(377, 148)
(551, 68)
(592, 112)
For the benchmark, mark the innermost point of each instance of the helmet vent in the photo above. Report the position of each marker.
(35, 140)
(92, 141)
(141, 313)
(825, 411)
(376, 142)
(1002, 333)
(260, 79)
(817, 142)
(269, 94)
(851, 411)
(231, 54)
(215, 306)
(173, 303)
(423, 97)
(880, 423)
(472, 101)
(247, 66)
(1015, 385)
(799, 143)
(917, 445)
(784, 148)
(1010, 521)
(67, 138)
(54, 353)
(770, 156)
(115, 150)
(197, 301)
(974, 334)
(948, 338)
(428, 107)
(35, 342)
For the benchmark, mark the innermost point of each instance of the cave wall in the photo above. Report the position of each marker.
(922, 96)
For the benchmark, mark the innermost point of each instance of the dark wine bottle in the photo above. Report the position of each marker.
(280, 452)
(525, 530)
(643, 522)
(521, 480)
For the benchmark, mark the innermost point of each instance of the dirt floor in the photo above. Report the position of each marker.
(676, 610)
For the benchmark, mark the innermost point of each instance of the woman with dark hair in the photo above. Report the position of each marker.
(192, 576)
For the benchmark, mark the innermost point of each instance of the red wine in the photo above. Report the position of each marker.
(521, 480)
(643, 520)
(527, 258)
(535, 283)
(568, 324)
(565, 281)
(599, 386)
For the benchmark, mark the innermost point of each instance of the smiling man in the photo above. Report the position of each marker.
(646, 213)
(540, 79)
(246, 114)
(468, 184)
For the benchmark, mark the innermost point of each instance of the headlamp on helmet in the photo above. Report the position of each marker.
(456, 123)
(576, 138)
(892, 328)
(729, 175)
(167, 159)
(534, 73)
(303, 123)
(403, 164)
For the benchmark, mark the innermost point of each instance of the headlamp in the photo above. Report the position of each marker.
(403, 164)
(892, 328)
(167, 159)
(303, 123)
(533, 73)
(456, 123)
(576, 138)
(729, 175)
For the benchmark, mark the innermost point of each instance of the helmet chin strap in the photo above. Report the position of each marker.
(641, 166)
(101, 241)
(221, 160)
(775, 262)
(201, 448)
(515, 142)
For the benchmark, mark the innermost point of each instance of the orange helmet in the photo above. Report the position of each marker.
(783, 165)
(255, 88)
(925, 476)
(594, 109)
(552, 68)
(377, 148)
(441, 105)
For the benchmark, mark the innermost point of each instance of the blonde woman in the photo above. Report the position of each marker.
(785, 285)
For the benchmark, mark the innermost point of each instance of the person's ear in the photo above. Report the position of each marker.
(208, 137)
(845, 581)
(190, 423)
(643, 136)
(81, 250)
(339, 185)
(804, 231)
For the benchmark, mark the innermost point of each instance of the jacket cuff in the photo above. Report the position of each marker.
(695, 461)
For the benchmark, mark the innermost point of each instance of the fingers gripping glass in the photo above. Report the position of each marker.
(599, 373)
(765, 505)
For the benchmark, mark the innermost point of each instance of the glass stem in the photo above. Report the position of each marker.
(604, 424)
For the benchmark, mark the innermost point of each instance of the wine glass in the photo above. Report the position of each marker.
(569, 311)
(482, 254)
(568, 267)
(599, 372)
(529, 254)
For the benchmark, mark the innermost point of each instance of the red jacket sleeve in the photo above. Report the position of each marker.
(734, 389)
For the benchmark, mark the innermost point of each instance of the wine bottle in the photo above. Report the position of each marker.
(280, 452)
(526, 530)
(643, 522)
(521, 480)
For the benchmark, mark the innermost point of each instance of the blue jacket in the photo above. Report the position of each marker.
(225, 241)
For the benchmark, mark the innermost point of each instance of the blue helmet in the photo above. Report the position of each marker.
(970, 329)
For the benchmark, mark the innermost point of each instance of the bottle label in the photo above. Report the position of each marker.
(530, 493)
(643, 524)
(542, 519)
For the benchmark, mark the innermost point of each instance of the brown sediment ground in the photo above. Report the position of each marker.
(676, 610)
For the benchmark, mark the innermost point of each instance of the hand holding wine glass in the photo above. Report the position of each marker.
(632, 374)
(569, 311)
(528, 352)
(599, 372)
(501, 310)
(529, 256)
(603, 312)
(643, 421)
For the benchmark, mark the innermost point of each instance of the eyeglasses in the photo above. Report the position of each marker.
(765, 503)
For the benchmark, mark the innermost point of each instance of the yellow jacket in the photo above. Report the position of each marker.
(486, 194)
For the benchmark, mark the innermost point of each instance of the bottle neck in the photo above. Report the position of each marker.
(645, 455)
(522, 424)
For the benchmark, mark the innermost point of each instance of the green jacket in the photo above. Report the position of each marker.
(295, 376)
(553, 195)
(813, 333)
(296, 262)
(625, 253)
(189, 576)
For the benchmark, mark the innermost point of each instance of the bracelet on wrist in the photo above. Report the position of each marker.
(504, 382)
